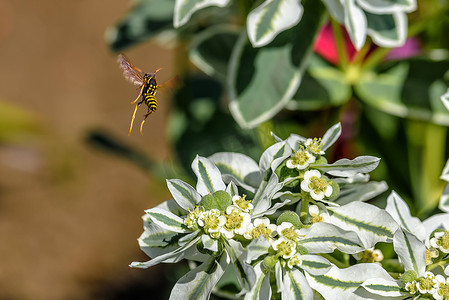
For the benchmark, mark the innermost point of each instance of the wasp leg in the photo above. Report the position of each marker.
(140, 94)
(132, 120)
(144, 118)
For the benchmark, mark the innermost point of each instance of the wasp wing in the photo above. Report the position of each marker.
(131, 73)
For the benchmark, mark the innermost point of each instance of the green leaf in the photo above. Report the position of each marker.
(409, 89)
(166, 219)
(322, 86)
(146, 19)
(184, 9)
(342, 283)
(371, 223)
(325, 238)
(238, 168)
(296, 286)
(411, 251)
(209, 176)
(383, 287)
(348, 168)
(199, 282)
(400, 212)
(184, 194)
(270, 18)
(387, 30)
(262, 81)
(210, 50)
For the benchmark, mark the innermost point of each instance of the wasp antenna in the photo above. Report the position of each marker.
(157, 70)
(132, 121)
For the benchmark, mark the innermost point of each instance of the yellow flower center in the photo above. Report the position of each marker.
(261, 230)
(318, 184)
(315, 145)
(233, 221)
(243, 203)
(290, 234)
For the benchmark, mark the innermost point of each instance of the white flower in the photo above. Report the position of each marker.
(242, 203)
(285, 247)
(411, 287)
(212, 221)
(237, 222)
(442, 288)
(440, 241)
(295, 260)
(427, 283)
(288, 231)
(316, 215)
(260, 227)
(301, 159)
(317, 187)
(314, 145)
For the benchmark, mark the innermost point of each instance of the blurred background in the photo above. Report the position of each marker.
(74, 185)
(70, 214)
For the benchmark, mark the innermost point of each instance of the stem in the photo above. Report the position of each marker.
(335, 261)
(437, 264)
(343, 61)
(304, 209)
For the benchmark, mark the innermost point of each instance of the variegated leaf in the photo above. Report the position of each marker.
(184, 9)
(255, 249)
(315, 264)
(360, 192)
(172, 256)
(400, 212)
(209, 176)
(261, 81)
(199, 282)
(239, 168)
(445, 99)
(411, 251)
(276, 151)
(270, 18)
(437, 221)
(325, 238)
(387, 30)
(387, 6)
(342, 283)
(330, 136)
(445, 173)
(296, 286)
(355, 23)
(261, 289)
(348, 168)
(444, 199)
(383, 287)
(184, 194)
(209, 243)
(232, 189)
(371, 223)
(166, 220)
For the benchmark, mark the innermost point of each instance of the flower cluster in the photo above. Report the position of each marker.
(297, 225)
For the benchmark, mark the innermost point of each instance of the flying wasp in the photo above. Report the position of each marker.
(147, 85)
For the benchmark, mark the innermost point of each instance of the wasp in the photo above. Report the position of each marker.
(147, 85)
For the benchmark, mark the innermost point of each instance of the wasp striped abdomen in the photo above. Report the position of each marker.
(146, 84)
